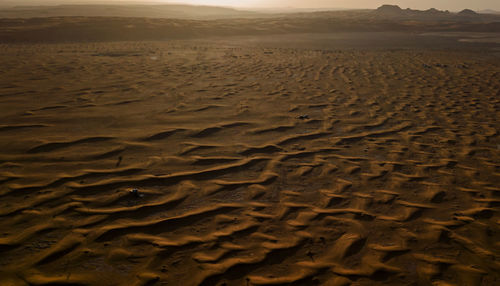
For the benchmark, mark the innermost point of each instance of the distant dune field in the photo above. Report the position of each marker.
(126, 23)
(248, 152)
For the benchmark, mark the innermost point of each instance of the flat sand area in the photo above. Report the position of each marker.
(191, 163)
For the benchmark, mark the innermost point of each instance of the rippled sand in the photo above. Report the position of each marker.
(253, 166)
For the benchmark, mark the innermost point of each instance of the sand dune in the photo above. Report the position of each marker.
(252, 165)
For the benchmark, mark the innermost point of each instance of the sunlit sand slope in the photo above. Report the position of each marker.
(252, 166)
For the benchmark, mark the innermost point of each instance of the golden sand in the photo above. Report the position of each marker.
(252, 166)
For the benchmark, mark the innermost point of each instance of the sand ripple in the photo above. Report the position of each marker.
(253, 166)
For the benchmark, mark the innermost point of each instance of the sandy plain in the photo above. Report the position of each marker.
(256, 162)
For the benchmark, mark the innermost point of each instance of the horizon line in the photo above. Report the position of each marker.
(248, 8)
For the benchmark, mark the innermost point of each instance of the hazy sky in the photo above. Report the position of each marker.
(453, 5)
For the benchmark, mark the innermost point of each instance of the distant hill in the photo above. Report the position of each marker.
(390, 10)
(467, 12)
(394, 11)
(127, 10)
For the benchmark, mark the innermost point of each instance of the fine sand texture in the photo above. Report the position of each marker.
(205, 163)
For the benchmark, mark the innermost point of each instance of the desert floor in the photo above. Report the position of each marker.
(254, 165)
